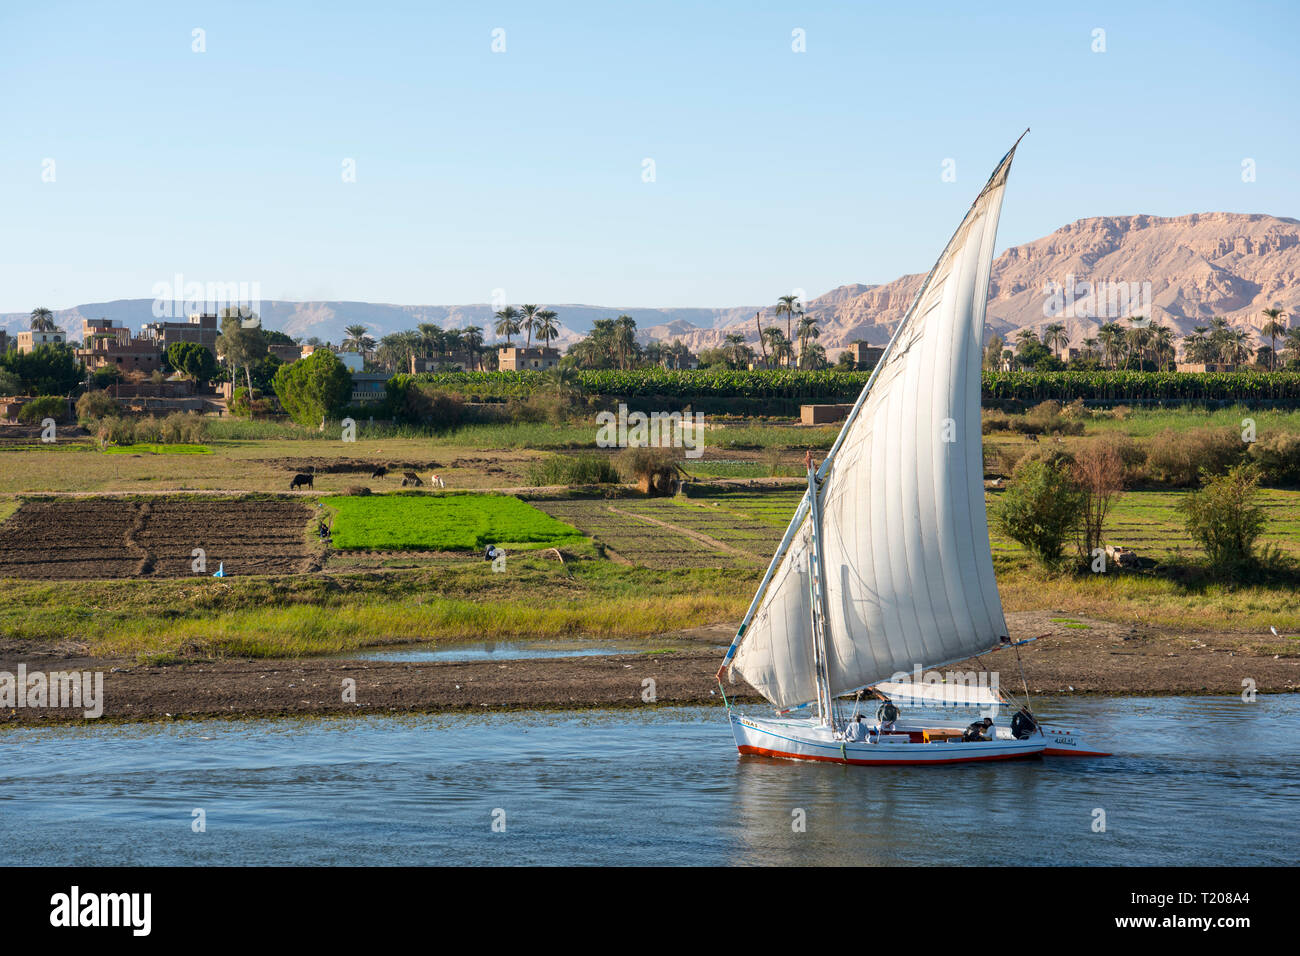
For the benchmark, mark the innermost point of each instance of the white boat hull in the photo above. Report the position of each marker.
(803, 739)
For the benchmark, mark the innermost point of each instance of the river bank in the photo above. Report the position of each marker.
(1075, 657)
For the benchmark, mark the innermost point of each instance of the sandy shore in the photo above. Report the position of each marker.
(1101, 659)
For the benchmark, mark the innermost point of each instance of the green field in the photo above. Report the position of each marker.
(443, 523)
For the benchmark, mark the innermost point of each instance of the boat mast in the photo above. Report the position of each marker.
(817, 593)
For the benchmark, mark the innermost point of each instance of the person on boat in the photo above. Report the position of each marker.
(980, 730)
(1023, 724)
(887, 714)
(855, 731)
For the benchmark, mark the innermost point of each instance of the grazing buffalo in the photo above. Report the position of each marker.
(379, 472)
(411, 478)
(301, 480)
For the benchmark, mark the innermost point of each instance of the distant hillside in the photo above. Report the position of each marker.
(1197, 266)
(327, 320)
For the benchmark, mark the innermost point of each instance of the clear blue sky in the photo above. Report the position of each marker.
(522, 170)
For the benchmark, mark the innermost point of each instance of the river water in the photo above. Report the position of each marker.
(1193, 781)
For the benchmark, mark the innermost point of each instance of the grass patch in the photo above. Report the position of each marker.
(443, 523)
(299, 615)
(148, 449)
(8, 506)
(741, 469)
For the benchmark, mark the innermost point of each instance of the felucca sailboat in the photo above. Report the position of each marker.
(886, 563)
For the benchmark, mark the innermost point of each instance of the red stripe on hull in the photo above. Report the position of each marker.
(1052, 752)
(762, 752)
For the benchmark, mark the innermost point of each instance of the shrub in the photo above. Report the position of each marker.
(992, 420)
(1178, 458)
(1041, 507)
(47, 406)
(105, 376)
(410, 400)
(1278, 458)
(1099, 472)
(242, 407)
(52, 369)
(10, 384)
(1224, 518)
(576, 470)
(653, 469)
(314, 388)
(186, 428)
(96, 404)
(194, 361)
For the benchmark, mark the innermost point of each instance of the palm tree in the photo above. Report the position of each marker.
(625, 347)
(546, 326)
(1291, 344)
(1273, 328)
(358, 339)
(1239, 350)
(528, 321)
(1111, 336)
(1162, 345)
(807, 330)
(1138, 340)
(473, 338)
(788, 305)
(1056, 338)
(772, 351)
(507, 323)
(732, 347)
(431, 339)
(42, 320)
(1222, 340)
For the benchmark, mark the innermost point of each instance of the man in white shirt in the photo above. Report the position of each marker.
(855, 731)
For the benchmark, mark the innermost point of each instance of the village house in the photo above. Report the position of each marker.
(104, 345)
(1203, 367)
(513, 359)
(453, 361)
(29, 340)
(201, 329)
(865, 356)
(369, 388)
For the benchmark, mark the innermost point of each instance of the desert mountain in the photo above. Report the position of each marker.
(1180, 271)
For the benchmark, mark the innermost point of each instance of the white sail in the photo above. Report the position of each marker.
(909, 576)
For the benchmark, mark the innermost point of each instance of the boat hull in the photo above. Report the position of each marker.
(805, 740)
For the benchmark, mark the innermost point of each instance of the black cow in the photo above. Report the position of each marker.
(301, 479)
(379, 472)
